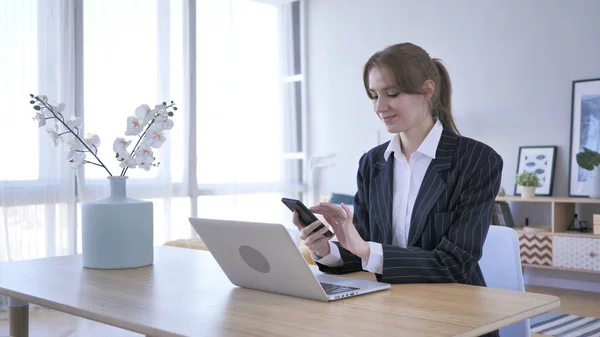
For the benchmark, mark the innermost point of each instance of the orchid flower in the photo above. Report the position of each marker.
(144, 162)
(134, 126)
(144, 150)
(127, 161)
(71, 148)
(78, 160)
(120, 146)
(40, 118)
(58, 107)
(148, 124)
(93, 141)
(74, 122)
(54, 134)
(156, 138)
(144, 114)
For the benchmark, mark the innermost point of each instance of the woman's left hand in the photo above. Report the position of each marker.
(340, 219)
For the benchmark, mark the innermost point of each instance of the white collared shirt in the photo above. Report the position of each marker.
(408, 176)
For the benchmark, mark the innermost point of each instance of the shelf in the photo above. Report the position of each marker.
(559, 268)
(563, 200)
(578, 234)
(534, 229)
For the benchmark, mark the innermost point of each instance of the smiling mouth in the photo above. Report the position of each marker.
(388, 118)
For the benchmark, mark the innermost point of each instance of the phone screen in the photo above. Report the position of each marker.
(306, 216)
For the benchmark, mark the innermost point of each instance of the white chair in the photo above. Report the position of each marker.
(501, 268)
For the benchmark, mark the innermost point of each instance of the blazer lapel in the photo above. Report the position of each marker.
(433, 185)
(382, 191)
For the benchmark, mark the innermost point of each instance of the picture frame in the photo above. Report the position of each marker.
(541, 160)
(585, 130)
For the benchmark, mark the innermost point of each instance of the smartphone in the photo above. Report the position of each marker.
(306, 216)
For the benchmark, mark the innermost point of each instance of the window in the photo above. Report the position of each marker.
(120, 58)
(19, 67)
(238, 144)
(249, 118)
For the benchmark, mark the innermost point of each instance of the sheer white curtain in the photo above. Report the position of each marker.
(224, 157)
(37, 200)
(125, 64)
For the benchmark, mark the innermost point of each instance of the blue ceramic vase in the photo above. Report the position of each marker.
(117, 231)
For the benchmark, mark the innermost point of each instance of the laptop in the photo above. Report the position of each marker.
(263, 256)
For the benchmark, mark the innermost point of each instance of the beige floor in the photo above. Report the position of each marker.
(50, 323)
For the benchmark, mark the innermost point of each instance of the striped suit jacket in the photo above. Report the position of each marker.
(450, 220)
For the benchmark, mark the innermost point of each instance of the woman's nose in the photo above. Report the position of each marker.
(381, 105)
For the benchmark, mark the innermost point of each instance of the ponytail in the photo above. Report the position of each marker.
(442, 109)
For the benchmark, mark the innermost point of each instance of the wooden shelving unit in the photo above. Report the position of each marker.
(552, 246)
(563, 211)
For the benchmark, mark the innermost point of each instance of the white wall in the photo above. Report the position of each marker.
(512, 64)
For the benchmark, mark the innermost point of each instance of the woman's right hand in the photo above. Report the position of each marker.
(316, 242)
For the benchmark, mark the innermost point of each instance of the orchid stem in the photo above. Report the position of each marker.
(74, 134)
(89, 162)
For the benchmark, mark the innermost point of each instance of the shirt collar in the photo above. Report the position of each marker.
(428, 147)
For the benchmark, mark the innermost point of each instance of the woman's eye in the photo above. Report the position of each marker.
(393, 95)
(374, 98)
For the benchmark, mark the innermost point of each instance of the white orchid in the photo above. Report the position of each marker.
(156, 138)
(74, 122)
(127, 161)
(144, 162)
(92, 139)
(120, 146)
(58, 107)
(78, 160)
(71, 148)
(144, 114)
(162, 124)
(54, 134)
(134, 126)
(144, 150)
(148, 124)
(39, 116)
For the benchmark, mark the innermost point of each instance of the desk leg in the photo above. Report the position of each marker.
(18, 314)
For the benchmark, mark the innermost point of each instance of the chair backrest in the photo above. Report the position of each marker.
(501, 268)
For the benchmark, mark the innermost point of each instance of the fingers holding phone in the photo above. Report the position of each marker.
(315, 241)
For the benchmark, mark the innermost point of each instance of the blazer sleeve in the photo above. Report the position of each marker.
(459, 251)
(350, 262)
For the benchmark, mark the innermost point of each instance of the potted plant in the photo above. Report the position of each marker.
(528, 182)
(117, 231)
(590, 160)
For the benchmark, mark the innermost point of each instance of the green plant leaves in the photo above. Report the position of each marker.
(528, 179)
(588, 159)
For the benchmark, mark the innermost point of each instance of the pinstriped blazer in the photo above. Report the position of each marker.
(450, 220)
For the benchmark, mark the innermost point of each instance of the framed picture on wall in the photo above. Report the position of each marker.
(540, 160)
(585, 130)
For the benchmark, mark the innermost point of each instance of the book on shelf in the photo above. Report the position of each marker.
(502, 215)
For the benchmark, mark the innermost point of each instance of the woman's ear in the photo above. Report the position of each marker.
(429, 88)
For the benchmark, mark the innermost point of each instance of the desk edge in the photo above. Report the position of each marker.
(84, 313)
(527, 314)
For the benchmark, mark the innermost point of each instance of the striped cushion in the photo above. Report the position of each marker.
(557, 324)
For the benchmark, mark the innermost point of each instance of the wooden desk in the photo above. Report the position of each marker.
(185, 293)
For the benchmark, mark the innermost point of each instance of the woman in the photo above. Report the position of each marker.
(425, 199)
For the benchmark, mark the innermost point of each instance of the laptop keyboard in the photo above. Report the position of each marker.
(331, 289)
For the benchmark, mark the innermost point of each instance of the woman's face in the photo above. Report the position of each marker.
(398, 111)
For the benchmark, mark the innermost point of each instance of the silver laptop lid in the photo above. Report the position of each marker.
(259, 256)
